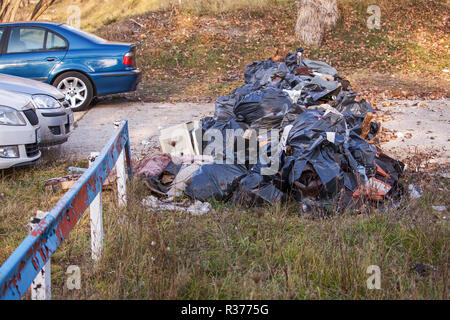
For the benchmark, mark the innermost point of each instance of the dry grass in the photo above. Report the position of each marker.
(95, 15)
(238, 253)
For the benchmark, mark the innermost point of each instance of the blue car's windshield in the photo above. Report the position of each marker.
(85, 34)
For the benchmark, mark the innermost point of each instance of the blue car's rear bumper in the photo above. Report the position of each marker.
(116, 82)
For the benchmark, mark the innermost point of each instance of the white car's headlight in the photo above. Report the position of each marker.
(9, 152)
(42, 101)
(11, 117)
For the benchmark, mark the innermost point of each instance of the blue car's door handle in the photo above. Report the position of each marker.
(51, 59)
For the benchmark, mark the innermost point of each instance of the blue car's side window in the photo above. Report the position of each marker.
(24, 39)
(55, 42)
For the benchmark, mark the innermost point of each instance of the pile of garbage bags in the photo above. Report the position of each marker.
(293, 132)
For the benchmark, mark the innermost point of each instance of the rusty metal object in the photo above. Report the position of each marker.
(21, 268)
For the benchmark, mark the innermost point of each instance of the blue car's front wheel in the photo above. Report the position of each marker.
(77, 88)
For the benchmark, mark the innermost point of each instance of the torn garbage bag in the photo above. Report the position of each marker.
(215, 182)
(355, 112)
(254, 190)
(262, 73)
(158, 172)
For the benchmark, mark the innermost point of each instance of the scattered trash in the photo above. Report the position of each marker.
(75, 170)
(424, 270)
(61, 183)
(317, 136)
(182, 140)
(67, 182)
(413, 193)
(197, 209)
(158, 172)
(440, 208)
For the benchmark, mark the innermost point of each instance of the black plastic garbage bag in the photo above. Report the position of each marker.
(320, 67)
(269, 103)
(364, 153)
(256, 70)
(254, 190)
(207, 123)
(311, 93)
(231, 134)
(316, 140)
(354, 111)
(292, 60)
(390, 171)
(225, 104)
(224, 108)
(322, 161)
(215, 182)
(263, 73)
(313, 127)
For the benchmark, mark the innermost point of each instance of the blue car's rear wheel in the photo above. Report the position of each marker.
(77, 88)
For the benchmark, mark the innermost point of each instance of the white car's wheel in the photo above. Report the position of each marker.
(77, 88)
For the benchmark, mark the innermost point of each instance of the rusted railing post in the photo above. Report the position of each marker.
(41, 288)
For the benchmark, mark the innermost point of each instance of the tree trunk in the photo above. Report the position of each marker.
(315, 17)
(40, 8)
(9, 9)
(14, 10)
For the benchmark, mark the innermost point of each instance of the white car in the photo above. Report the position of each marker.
(54, 112)
(19, 131)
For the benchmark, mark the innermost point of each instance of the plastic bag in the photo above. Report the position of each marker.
(255, 191)
(265, 103)
(215, 182)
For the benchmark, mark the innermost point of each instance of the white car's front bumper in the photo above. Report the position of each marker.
(56, 125)
(26, 138)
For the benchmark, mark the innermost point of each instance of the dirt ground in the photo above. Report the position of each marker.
(418, 127)
(415, 126)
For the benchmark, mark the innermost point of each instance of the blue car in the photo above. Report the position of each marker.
(80, 64)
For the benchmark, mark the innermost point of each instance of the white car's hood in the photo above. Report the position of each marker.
(13, 100)
(28, 86)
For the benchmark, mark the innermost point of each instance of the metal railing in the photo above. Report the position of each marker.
(30, 262)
